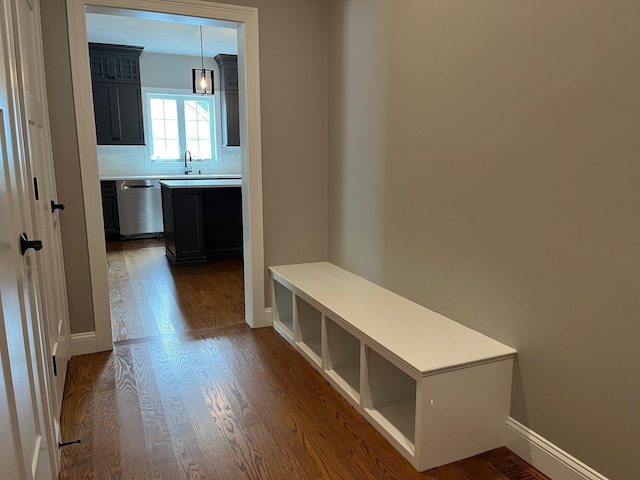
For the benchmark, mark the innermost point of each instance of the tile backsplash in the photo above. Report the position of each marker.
(114, 160)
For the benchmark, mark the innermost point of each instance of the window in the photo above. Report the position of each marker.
(179, 123)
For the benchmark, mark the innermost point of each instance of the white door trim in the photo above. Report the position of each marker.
(250, 138)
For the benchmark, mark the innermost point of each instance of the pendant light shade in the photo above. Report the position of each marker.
(202, 79)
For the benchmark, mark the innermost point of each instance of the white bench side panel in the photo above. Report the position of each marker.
(462, 413)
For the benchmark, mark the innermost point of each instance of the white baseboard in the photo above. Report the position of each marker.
(263, 322)
(545, 456)
(82, 343)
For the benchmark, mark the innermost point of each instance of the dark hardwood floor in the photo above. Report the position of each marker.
(194, 394)
(149, 297)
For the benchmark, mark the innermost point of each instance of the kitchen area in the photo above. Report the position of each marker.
(154, 124)
(165, 96)
(185, 212)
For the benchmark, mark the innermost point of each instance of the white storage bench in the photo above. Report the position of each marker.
(437, 390)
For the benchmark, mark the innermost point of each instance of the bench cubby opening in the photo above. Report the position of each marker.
(391, 399)
(343, 359)
(309, 336)
(283, 310)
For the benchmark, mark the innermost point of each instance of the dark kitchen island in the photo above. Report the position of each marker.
(202, 219)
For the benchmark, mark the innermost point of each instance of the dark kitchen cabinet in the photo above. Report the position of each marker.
(182, 219)
(229, 99)
(117, 98)
(201, 223)
(222, 221)
(110, 209)
(115, 63)
(118, 114)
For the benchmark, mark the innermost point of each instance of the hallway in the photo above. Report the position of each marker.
(229, 403)
(191, 392)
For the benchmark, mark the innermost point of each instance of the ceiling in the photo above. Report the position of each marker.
(162, 34)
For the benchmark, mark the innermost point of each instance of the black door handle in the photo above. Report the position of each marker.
(56, 206)
(26, 244)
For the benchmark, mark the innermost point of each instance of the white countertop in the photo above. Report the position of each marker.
(173, 177)
(201, 183)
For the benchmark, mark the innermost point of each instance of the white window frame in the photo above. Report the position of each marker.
(180, 95)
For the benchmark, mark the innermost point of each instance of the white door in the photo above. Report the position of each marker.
(41, 190)
(26, 444)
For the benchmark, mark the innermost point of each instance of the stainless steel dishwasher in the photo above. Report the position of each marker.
(139, 208)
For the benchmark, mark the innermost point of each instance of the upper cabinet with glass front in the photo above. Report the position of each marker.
(117, 99)
(116, 63)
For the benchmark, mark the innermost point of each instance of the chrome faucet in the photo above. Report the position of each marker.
(187, 168)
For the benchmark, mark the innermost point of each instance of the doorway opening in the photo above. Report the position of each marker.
(147, 62)
(198, 13)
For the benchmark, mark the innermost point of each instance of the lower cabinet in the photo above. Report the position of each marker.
(222, 221)
(110, 209)
(201, 223)
(182, 219)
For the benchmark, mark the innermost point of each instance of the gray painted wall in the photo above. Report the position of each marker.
(483, 162)
(172, 71)
(293, 83)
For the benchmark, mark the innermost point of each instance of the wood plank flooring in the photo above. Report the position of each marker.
(149, 297)
(218, 400)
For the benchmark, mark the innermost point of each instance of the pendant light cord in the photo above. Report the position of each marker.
(201, 48)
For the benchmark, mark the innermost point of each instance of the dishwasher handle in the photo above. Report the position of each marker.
(124, 187)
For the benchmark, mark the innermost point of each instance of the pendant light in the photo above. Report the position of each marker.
(202, 79)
